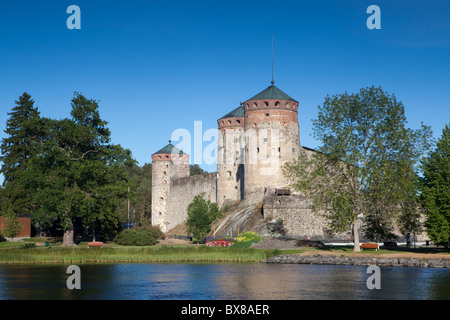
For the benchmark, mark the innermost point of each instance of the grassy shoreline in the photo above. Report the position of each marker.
(34, 251)
(132, 254)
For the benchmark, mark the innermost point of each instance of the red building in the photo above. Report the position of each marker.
(25, 232)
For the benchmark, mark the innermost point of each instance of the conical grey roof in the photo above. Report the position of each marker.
(272, 92)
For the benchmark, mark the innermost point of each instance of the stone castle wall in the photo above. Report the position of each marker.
(299, 220)
(230, 165)
(182, 192)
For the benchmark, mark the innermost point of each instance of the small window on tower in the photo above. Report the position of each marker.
(229, 174)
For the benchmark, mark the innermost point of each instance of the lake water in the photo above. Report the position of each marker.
(247, 281)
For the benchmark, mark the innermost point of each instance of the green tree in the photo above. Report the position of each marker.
(200, 216)
(12, 226)
(435, 189)
(363, 167)
(79, 174)
(138, 206)
(21, 144)
(194, 169)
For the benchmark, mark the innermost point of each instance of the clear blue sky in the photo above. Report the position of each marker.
(157, 66)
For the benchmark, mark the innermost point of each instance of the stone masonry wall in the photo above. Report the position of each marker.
(299, 220)
(183, 191)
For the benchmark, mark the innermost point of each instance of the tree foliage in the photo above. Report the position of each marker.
(23, 131)
(194, 169)
(435, 189)
(200, 216)
(366, 164)
(140, 203)
(12, 225)
(71, 172)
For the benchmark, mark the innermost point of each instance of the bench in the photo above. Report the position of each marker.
(95, 244)
(390, 244)
(370, 246)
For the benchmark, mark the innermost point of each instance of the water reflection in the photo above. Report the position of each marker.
(255, 281)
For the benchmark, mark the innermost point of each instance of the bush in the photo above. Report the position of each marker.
(249, 236)
(141, 236)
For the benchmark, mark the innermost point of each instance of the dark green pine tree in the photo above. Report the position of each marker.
(435, 196)
(80, 175)
(23, 130)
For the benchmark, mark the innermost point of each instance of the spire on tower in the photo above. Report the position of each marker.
(272, 61)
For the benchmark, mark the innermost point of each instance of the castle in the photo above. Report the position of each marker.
(254, 141)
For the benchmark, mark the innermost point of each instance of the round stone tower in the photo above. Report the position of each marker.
(271, 139)
(230, 157)
(167, 163)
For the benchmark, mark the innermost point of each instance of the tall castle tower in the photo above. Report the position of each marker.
(272, 138)
(167, 164)
(230, 157)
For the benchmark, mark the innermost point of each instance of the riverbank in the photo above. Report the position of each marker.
(267, 251)
(128, 254)
(358, 259)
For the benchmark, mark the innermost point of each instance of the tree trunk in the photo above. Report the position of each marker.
(68, 236)
(356, 247)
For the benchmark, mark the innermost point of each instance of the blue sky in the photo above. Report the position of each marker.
(157, 66)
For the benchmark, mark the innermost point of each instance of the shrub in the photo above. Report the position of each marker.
(249, 236)
(141, 236)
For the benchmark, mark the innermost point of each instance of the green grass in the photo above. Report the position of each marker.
(30, 251)
(176, 253)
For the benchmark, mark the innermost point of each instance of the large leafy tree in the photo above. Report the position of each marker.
(435, 187)
(366, 163)
(79, 175)
(21, 144)
(201, 214)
